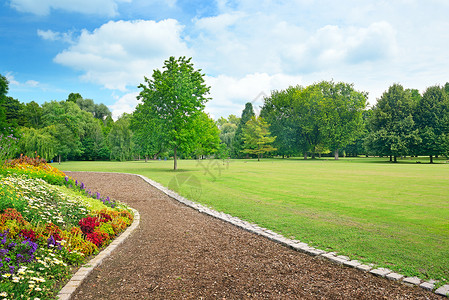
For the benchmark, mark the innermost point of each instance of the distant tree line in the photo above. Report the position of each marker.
(325, 118)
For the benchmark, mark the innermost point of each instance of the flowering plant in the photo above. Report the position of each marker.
(45, 229)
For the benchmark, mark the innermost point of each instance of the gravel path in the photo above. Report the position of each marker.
(179, 253)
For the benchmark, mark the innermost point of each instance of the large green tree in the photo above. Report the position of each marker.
(256, 137)
(392, 127)
(431, 117)
(176, 96)
(342, 120)
(278, 111)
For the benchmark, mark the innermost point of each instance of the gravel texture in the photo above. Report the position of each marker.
(179, 253)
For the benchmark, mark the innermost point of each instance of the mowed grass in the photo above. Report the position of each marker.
(393, 215)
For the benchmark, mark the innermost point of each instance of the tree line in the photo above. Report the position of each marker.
(325, 118)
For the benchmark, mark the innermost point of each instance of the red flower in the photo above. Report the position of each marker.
(28, 234)
(88, 224)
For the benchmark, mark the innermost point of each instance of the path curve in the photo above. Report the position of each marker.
(179, 253)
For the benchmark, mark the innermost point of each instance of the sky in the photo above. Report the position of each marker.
(102, 49)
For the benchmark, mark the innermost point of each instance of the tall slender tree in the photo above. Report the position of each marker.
(247, 114)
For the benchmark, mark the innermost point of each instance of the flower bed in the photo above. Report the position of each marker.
(49, 224)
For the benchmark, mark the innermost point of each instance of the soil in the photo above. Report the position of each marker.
(179, 253)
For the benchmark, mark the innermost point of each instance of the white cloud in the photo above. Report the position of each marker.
(32, 83)
(119, 54)
(51, 35)
(29, 83)
(229, 94)
(124, 104)
(237, 43)
(11, 79)
(43, 7)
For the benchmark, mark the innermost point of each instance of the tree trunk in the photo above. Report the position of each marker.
(391, 158)
(59, 158)
(146, 158)
(336, 154)
(175, 163)
(305, 155)
(258, 157)
(431, 159)
(395, 159)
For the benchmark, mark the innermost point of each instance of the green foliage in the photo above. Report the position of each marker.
(431, 117)
(342, 119)
(205, 135)
(32, 114)
(247, 114)
(175, 95)
(149, 133)
(8, 146)
(10, 199)
(73, 97)
(392, 127)
(14, 112)
(4, 87)
(278, 111)
(98, 111)
(256, 137)
(40, 142)
(120, 139)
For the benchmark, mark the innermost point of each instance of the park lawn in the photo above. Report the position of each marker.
(393, 215)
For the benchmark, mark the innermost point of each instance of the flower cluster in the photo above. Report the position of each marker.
(45, 229)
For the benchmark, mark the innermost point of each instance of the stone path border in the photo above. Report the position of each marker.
(302, 247)
(83, 272)
(66, 292)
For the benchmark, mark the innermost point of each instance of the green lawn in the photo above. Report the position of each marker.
(394, 215)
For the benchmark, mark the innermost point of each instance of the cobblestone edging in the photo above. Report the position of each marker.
(302, 247)
(66, 292)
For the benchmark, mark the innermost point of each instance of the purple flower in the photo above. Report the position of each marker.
(7, 259)
(12, 269)
(51, 241)
(66, 179)
(98, 195)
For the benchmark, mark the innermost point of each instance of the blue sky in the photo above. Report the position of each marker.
(103, 48)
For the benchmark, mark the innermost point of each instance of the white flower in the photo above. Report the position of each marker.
(4, 294)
